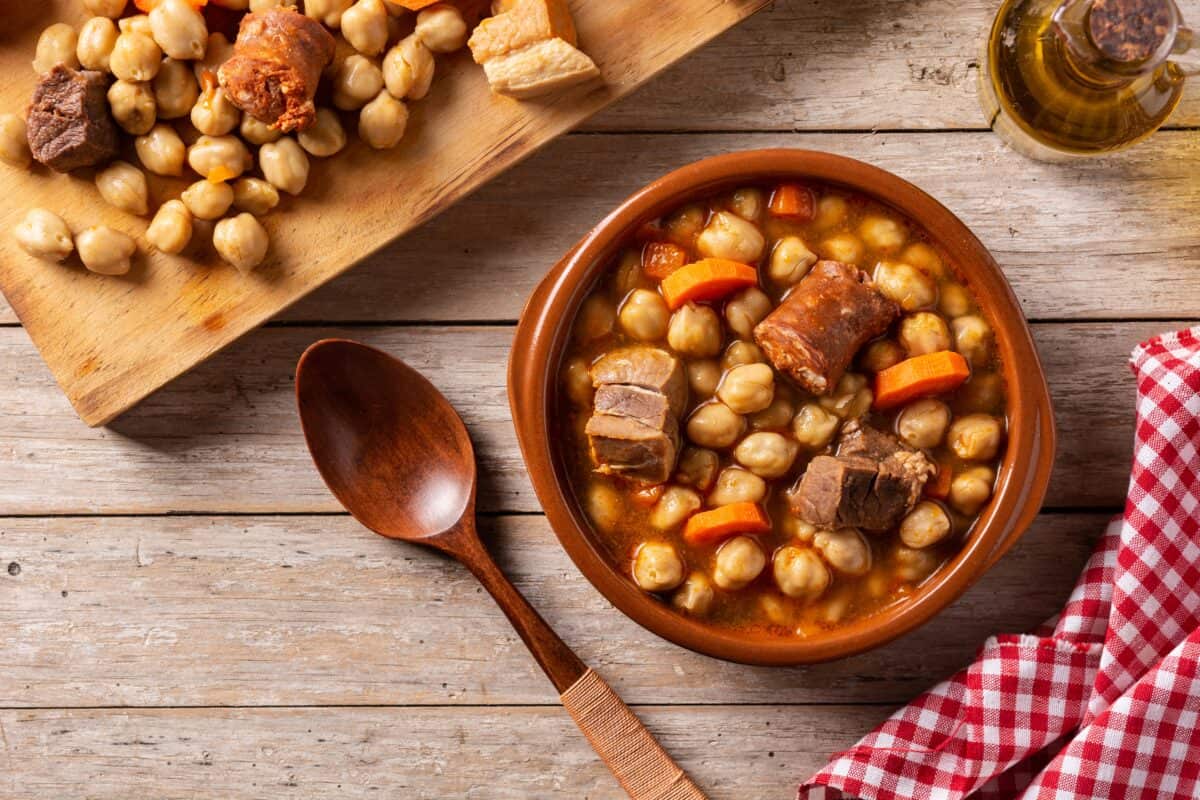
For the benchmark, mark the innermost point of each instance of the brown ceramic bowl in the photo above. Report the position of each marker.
(542, 337)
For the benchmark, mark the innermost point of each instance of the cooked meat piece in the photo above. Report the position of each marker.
(547, 66)
(276, 66)
(646, 406)
(813, 334)
(624, 446)
(863, 440)
(70, 125)
(526, 22)
(831, 488)
(646, 367)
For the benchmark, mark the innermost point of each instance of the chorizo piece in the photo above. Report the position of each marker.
(814, 333)
(276, 66)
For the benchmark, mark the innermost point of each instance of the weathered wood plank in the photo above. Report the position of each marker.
(225, 438)
(257, 611)
(1077, 242)
(503, 753)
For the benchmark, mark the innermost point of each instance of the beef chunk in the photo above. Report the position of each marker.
(647, 368)
(647, 407)
(70, 125)
(630, 448)
(872, 482)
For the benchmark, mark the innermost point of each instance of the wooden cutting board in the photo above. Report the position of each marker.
(112, 341)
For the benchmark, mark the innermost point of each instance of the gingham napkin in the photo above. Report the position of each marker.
(1103, 701)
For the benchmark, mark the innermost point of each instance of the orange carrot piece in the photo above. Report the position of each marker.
(932, 373)
(793, 202)
(415, 5)
(660, 259)
(146, 6)
(707, 279)
(938, 487)
(710, 527)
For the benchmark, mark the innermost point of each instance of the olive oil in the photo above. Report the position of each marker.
(1082, 77)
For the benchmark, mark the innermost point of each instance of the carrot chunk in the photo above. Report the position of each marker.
(793, 202)
(707, 279)
(938, 486)
(710, 527)
(932, 373)
(660, 259)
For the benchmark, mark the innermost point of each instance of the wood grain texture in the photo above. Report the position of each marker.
(111, 342)
(225, 438)
(262, 611)
(415, 754)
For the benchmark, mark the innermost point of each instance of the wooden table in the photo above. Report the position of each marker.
(187, 613)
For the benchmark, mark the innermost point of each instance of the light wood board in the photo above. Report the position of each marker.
(111, 342)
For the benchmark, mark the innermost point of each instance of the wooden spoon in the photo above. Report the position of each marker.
(396, 454)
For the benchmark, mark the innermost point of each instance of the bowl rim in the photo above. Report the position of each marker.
(540, 341)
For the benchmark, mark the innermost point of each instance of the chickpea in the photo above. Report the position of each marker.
(284, 165)
(97, 38)
(208, 200)
(105, 251)
(845, 247)
(175, 89)
(741, 353)
(106, 8)
(971, 488)
(242, 241)
(906, 285)
(596, 318)
(975, 437)
(739, 561)
(214, 114)
(257, 132)
(953, 300)
(696, 595)
(748, 388)
(881, 355)
(814, 427)
(365, 26)
(327, 12)
(55, 46)
(729, 236)
(644, 315)
(629, 274)
(221, 157)
(798, 529)
(767, 455)
(924, 258)
(255, 196)
(133, 106)
(747, 203)
(604, 507)
(675, 505)
(703, 377)
(217, 50)
(356, 82)
(746, 309)
(790, 261)
(171, 229)
(914, 566)
(694, 331)
(972, 338)
(684, 225)
(383, 122)
(135, 58)
(715, 425)
(43, 234)
(777, 415)
(326, 137)
(983, 392)
(697, 467)
(831, 211)
(925, 525)
(850, 399)
(845, 549)
(657, 567)
(800, 573)
(923, 423)
(736, 485)
(138, 23)
(578, 381)
(123, 186)
(408, 69)
(14, 142)
(441, 28)
(179, 29)
(924, 332)
(884, 234)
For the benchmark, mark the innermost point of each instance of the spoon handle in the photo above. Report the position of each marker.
(638, 761)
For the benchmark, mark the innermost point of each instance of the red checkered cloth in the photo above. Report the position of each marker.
(1103, 700)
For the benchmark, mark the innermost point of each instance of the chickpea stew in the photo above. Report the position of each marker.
(783, 408)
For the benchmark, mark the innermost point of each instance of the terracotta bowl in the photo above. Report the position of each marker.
(542, 336)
